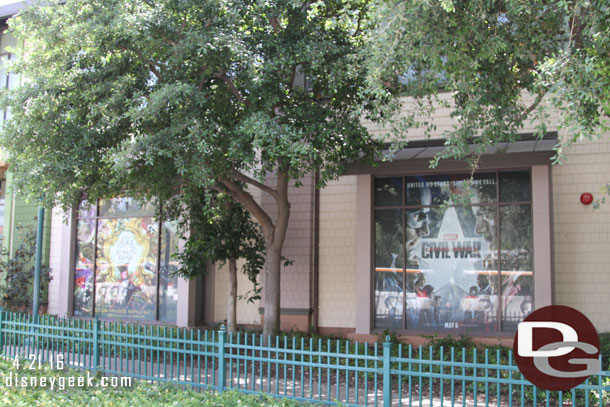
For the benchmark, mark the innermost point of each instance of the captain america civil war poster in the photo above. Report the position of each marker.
(468, 256)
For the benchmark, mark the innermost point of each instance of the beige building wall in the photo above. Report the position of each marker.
(582, 233)
(55, 261)
(298, 246)
(444, 122)
(247, 312)
(337, 287)
(296, 278)
(60, 262)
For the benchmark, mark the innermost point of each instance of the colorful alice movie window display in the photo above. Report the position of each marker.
(124, 267)
(453, 253)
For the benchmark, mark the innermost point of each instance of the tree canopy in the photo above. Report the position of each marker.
(488, 55)
(150, 98)
(147, 97)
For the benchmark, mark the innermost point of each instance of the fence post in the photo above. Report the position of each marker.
(1, 338)
(222, 335)
(96, 344)
(387, 377)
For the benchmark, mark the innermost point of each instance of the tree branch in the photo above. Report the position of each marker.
(275, 24)
(293, 76)
(229, 82)
(283, 206)
(241, 177)
(306, 5)
(201, 83)
(203, 78)
(247, 200)
(533, 106)
(146, 62)
(358, 24)
(218, 189)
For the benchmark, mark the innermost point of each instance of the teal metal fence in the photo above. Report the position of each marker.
(319, 371)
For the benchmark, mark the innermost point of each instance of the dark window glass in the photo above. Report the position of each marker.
(87, 210)
(516, 264)
(125, 206)
(83, 270)
(418, 191)
(515, 186)
(168, 282)
(450, 189)
(388, 191)
(388, 238)
(483, 188)
(389, 266)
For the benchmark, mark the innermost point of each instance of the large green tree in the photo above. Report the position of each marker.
(144, 97)
(488, 55)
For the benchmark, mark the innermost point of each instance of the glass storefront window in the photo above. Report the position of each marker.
(84, 270)
(516, 264)
(468, 250)
(390, 266)
(124, 262)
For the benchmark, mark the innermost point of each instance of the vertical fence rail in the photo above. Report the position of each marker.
(222, 335)
(387, 378)
(95, 363)
(328, 372)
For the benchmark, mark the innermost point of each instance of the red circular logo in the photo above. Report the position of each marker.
(586, 198)
(557, 348)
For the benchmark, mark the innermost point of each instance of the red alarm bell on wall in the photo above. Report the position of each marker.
(586, 198)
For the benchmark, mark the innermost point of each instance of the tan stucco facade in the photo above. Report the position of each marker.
(582, 233)
(338, 238)
(247, 312)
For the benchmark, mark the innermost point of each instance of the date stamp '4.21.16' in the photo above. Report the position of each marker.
(51, 374)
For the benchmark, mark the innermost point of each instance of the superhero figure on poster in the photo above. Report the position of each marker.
(420, 296)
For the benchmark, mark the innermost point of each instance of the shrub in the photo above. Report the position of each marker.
(17, 274)
(604, 345)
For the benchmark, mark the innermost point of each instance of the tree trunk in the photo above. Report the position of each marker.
(273, 260)
(232, 308)
(275, 235)
(273, 264)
